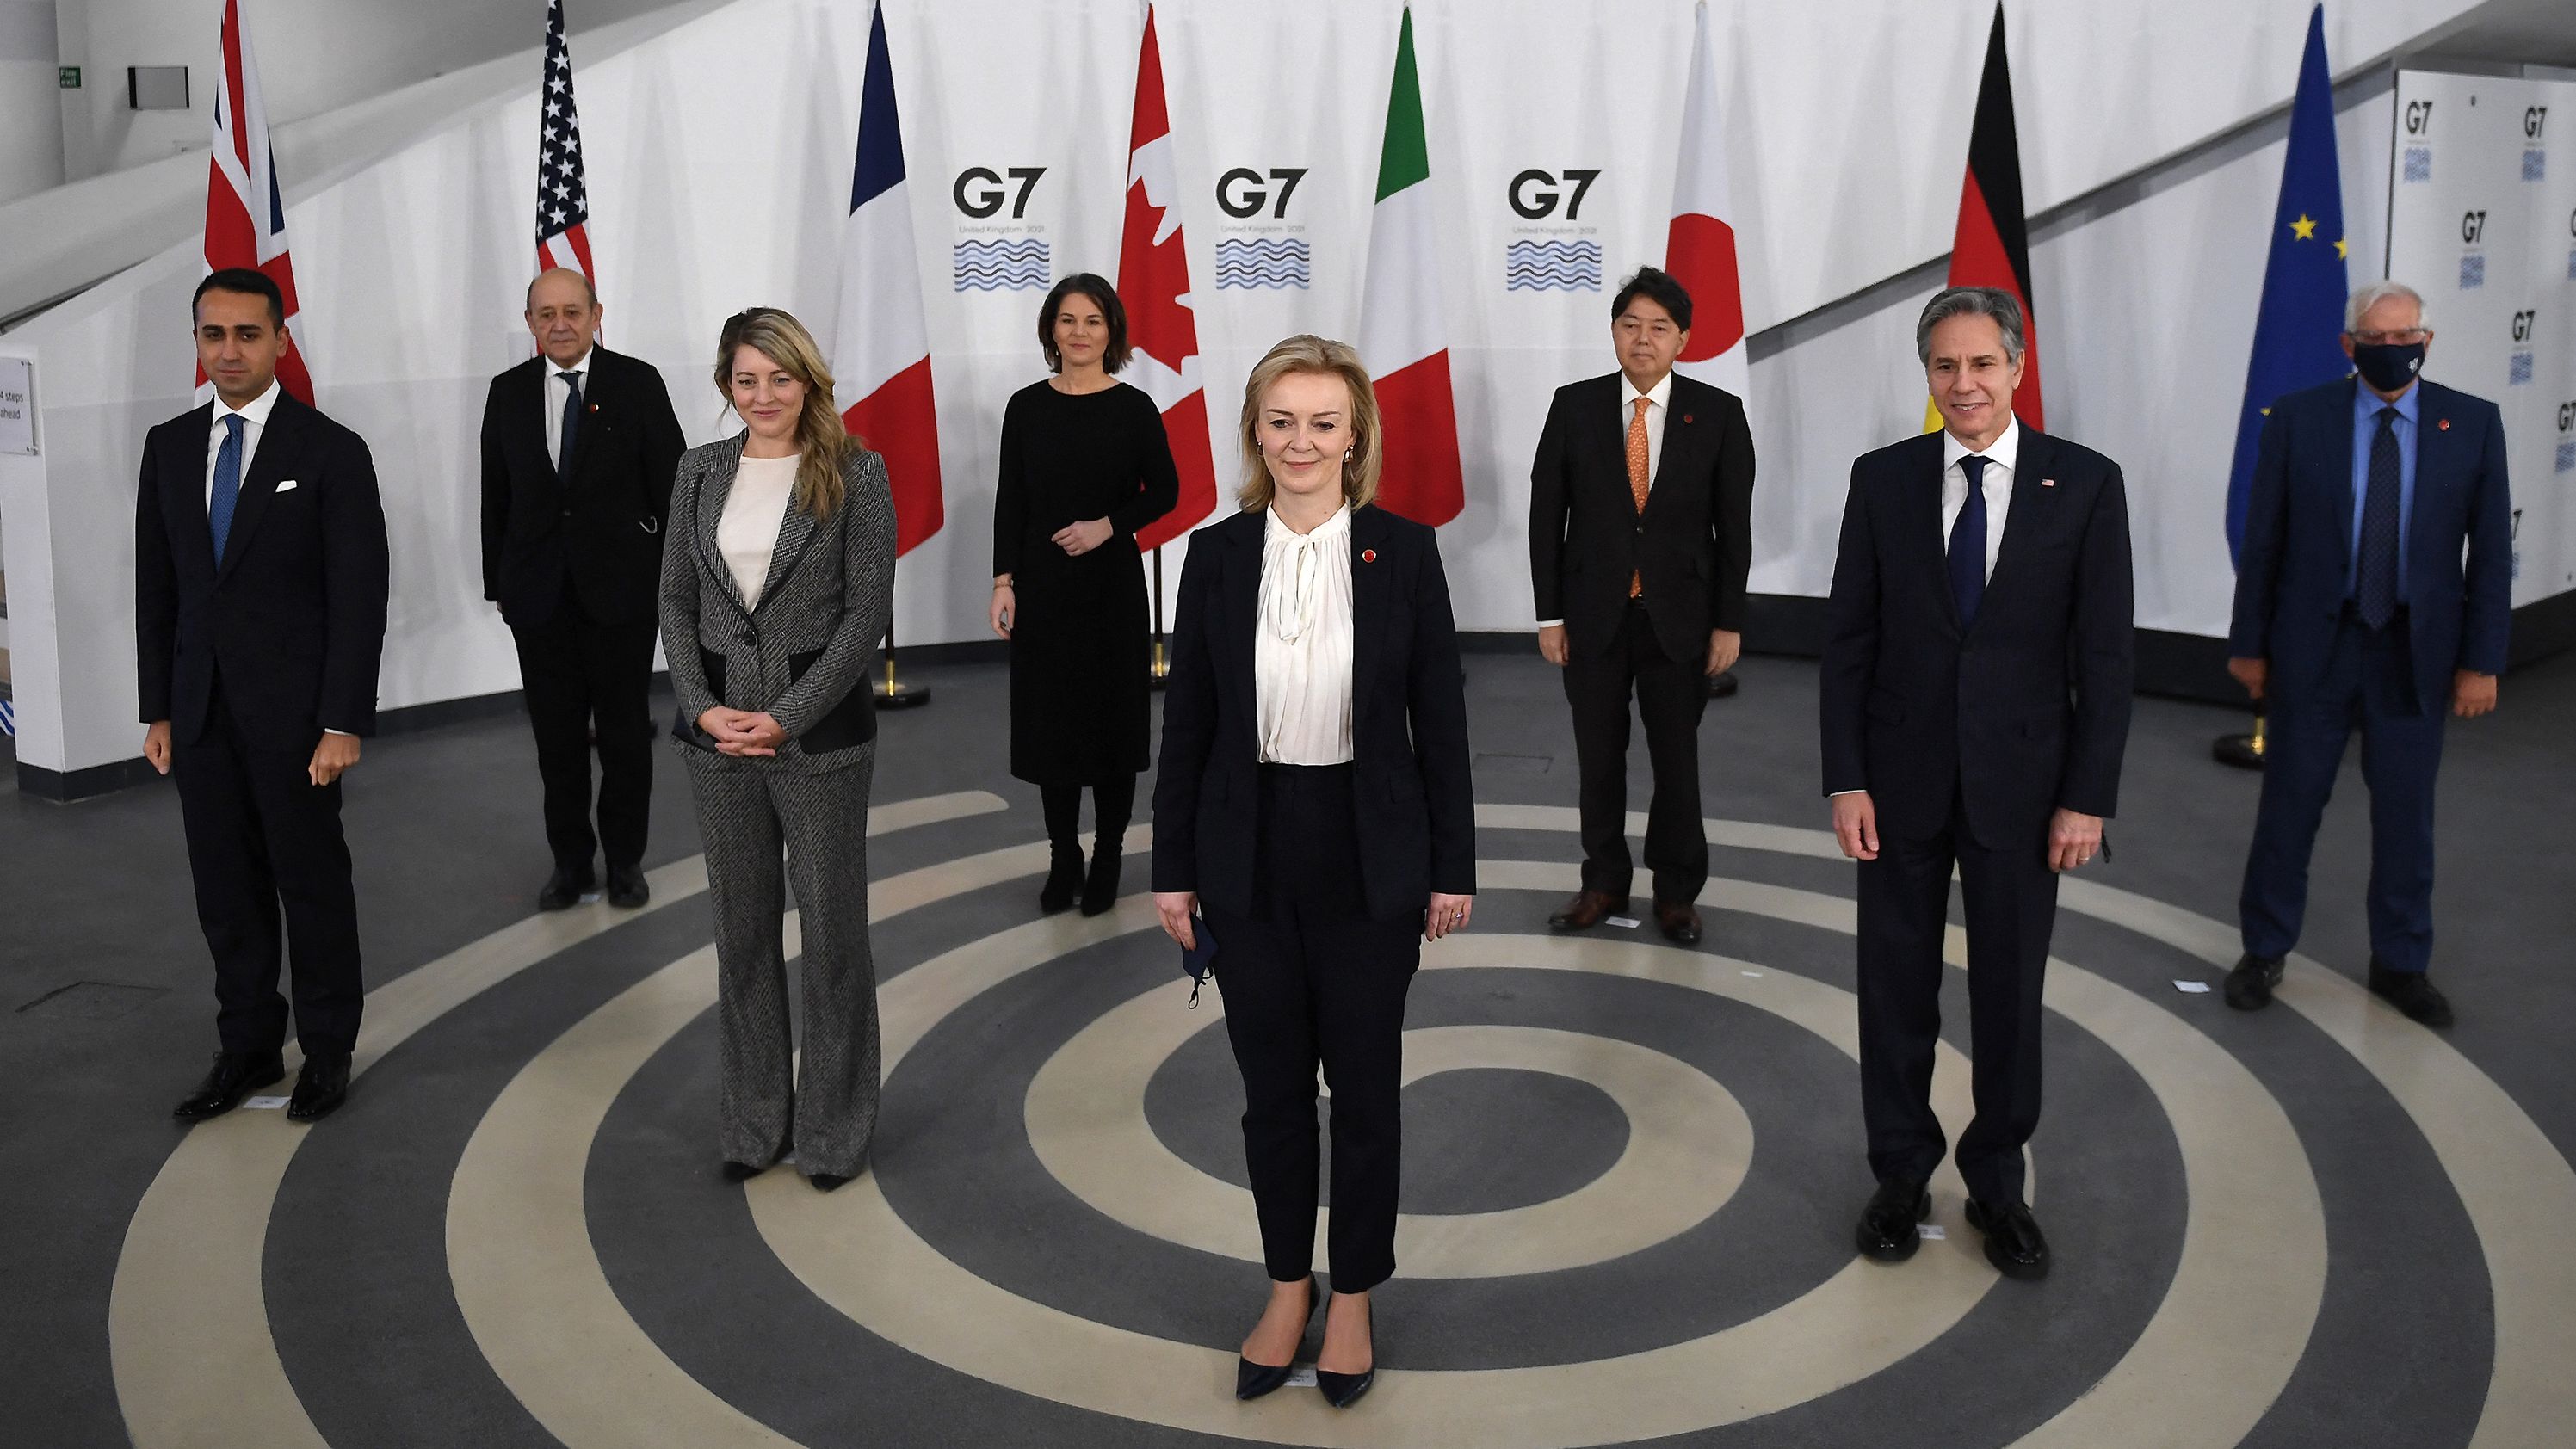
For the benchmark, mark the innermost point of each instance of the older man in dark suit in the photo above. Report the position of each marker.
(579, 447)
(260, 579)
(1640, 535)
(2374, 590)
(1974, 704)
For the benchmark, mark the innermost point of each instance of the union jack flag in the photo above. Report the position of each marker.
(245, 213)
(563, 203)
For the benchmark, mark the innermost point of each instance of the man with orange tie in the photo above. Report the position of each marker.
(1641, 533)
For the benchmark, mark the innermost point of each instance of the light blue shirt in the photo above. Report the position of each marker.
(2366, 408)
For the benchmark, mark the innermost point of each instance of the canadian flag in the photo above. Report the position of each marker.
(883, 341)
(1699, 250)
(1154, 283)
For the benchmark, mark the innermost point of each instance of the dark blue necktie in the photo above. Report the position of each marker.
(1968, 543)
(227, 490)
(2374, 590)
(571, 423)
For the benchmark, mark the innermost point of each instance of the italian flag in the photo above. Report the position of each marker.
(1402, 338)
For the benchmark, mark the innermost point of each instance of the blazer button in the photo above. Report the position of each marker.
(749, 638)
(1641, 528)
(567, 513)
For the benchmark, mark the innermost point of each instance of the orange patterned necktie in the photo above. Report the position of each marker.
(1637, 477)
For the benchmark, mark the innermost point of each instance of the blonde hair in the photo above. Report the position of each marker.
(1323, 356)
(820, 434)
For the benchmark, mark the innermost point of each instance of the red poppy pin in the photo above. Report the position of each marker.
(594, 407)
(1686, 417)
(1368, 555)
(2444, 425)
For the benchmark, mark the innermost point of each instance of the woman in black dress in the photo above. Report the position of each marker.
(1085, 465)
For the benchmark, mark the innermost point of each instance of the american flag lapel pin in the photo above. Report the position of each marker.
(2047, 482)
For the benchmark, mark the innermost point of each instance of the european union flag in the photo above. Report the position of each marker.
(2297, 333)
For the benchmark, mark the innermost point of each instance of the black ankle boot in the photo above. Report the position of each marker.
(1064, 879)
(1100, 887)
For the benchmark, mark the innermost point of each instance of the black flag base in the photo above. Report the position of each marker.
(893, 693)
(2245, 752)
(1723, 684)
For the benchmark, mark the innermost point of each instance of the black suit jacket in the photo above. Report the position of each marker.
(293, 616)
(2019, 715)
(1693, 543)
(605, 529)
(1417, 811)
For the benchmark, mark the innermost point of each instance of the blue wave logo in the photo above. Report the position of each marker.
(1004, 264)
(1244, 262)
(1552, 266)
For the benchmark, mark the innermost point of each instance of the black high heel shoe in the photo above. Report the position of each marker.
(1344, 1390)
(1252, 1380)
(1064, 879)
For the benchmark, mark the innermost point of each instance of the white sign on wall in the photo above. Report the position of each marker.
(17, 405)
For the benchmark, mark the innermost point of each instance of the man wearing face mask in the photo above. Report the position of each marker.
(579, 448)
(2374, 589)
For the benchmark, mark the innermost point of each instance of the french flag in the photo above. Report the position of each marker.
(883, 339)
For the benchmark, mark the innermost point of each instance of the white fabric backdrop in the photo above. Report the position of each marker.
(720, 156)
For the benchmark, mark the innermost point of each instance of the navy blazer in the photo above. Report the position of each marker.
(293, 616)
(1416, 806)
(2020, 714)
(2292, 570)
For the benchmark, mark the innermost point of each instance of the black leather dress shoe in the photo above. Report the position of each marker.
(235, 1075)
(565, 888)
(1588, 909)
(627, 888)
(1679, 921)
(1252, 1380)
(1100, 887)
(2249, 986)
(1064, 879)
(2013, 1240)
(1887, 1226)
(2410, 993)
(320, 1088)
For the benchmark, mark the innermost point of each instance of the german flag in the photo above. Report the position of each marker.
(1992, 248)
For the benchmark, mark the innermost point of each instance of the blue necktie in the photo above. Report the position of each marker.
(227, 489)
(1968, 543)
(2374, 590)
(571, 423)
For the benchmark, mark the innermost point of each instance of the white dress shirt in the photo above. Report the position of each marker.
(557, 391)
(1301, 651)
(1659, 407)
(747, 533)
(254, 416)
(1998, 487)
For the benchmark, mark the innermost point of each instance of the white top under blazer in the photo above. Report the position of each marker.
(1301, 653)
(747, 534)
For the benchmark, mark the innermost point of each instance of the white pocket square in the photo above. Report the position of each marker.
(286, 487)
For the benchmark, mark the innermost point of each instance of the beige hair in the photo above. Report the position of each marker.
(820, 434)
(528, 303)
(1321, 355)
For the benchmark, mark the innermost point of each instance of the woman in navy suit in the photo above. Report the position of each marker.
(1314, 804)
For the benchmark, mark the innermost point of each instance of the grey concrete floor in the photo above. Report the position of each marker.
(106, 1018)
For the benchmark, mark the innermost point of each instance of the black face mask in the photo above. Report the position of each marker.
(2388, 366)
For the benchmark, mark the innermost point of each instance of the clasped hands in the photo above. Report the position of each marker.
(2074, 837)
(742, 732)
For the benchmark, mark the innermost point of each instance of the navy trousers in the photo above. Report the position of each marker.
(2368, 684)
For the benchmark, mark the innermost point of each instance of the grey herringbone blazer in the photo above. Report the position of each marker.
(803, 654)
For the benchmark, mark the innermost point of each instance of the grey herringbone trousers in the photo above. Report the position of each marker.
(746, 815)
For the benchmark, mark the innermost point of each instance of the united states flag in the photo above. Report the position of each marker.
(563, 203)
(245, 212)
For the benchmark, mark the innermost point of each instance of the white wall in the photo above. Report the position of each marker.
(720, 155)
(31, 122)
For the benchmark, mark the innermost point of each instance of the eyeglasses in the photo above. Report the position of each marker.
(2407, 338)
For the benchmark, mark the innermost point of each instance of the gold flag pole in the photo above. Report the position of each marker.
(1162, 666)
(2245, 752)
(891, 692)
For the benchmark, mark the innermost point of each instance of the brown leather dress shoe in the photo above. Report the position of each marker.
(1679, 921)
(1586, 910)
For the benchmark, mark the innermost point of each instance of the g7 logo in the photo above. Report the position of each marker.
(2473, 225)
(2567, 417)
(1239, 192)
(1534, 195)
(2522, 325)
(988, 190)
(2419, 116)
(2533, 119)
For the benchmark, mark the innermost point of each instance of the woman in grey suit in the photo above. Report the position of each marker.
(777, 576)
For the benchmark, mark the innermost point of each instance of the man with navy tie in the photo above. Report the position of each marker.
(2373, 591)
(260, 579)
(1974, 701)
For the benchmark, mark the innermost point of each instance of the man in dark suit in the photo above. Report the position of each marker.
(1974, 703)
(1640, 533)
(579, 448)
(2354, 606)
(260, 577)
